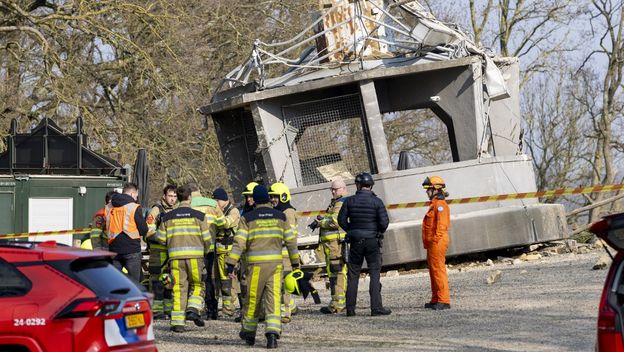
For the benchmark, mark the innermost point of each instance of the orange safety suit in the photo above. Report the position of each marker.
(435, 240)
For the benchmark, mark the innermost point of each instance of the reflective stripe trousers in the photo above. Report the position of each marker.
(188, 288)
(264, 288)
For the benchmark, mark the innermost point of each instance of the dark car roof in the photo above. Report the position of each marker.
(46, 251)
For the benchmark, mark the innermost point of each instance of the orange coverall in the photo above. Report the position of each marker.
(435, 240)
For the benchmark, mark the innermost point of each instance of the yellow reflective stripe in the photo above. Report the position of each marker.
(206, 235)
(253, 293)
(331, 236)
(217, 220)
(195, 299)
(267, 228)
(183, 253)
(272, 235)
(277, 295)
(177, 296)
(157, 246)
(289, 234)
(182, 233)
(240, 238)
(264, 258)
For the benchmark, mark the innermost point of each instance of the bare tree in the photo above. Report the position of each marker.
(136, 71)
(607, 23)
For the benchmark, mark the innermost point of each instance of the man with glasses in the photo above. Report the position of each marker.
(331, 238)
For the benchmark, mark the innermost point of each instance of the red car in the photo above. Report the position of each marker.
(611, 309)
(59, 298)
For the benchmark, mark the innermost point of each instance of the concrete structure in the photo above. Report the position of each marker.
(308, 128)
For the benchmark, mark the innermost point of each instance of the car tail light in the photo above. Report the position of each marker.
(606, 319)
(90, 307)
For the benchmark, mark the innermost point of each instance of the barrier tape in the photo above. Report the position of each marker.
(45, 233)
(542, 194)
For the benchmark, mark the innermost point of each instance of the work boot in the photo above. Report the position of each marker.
(248, 336)
(177, 328)
(238, 318)
(380, 311)
(160, 316)
(272, 340)
(228, 310)
(196, 318)
(327, 310)
(429, 305)
(441, 306)
(350, 313)
(212, 314)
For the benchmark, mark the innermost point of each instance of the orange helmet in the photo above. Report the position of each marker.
(435, 182)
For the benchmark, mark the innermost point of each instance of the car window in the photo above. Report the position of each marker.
(101, 277)
(12, 281)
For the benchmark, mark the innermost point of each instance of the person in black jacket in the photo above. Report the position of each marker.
(125, 226)
(363, 216)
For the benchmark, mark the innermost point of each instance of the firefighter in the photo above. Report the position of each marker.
(125, 226)
(436, 240)
(214, 216)
(365, 219)
(280, 198)
(240, 280)
(158, 253)
(248, 204)
(331, 238)
(188, 238)
(224, 241)
(260, 237)
(98, 231)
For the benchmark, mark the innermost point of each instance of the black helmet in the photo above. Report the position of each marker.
(364, 179)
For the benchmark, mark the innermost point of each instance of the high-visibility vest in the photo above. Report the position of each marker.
(121, 219)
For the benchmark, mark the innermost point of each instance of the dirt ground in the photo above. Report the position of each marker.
(544, 305)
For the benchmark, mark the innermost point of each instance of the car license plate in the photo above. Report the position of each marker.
(135, 321)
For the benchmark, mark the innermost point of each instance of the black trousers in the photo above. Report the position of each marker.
(210, 296)
(370, 250)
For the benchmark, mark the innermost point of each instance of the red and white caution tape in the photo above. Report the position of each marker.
(496, 198)
(45, 233)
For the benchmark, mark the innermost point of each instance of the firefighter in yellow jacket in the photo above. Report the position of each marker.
(280, 198)
(331, 237)
(260, 237)
(223, 246)
(214, 217)
(188, 238)
(158, 253)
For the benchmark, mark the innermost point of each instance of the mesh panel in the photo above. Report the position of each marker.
(326, 139)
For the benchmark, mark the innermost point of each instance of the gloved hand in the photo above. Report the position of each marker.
(319, 217)
(313, 225)
(230, 271)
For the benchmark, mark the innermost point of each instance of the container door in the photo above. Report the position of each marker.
(7, 218)
(51, 214)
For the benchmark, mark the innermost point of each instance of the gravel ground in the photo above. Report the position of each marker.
(547, 305)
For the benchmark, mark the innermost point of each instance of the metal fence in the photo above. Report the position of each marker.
(326, 139)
